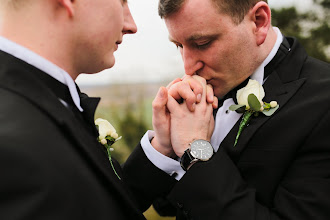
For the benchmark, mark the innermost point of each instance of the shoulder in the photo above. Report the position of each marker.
(317, 75)
(23, 122)
(18, 108)
(314, 67)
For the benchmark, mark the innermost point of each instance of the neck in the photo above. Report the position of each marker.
(269, 43)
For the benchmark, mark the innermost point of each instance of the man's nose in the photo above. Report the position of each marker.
(191, 61)
(129, 23)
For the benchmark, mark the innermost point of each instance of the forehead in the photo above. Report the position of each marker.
(196, 19)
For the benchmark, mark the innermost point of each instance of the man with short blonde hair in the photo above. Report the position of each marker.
(51, 164)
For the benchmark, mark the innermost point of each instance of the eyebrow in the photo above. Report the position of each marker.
(196, 37)
(201, 36)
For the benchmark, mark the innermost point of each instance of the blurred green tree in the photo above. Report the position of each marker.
(311, 28)
(133, 127)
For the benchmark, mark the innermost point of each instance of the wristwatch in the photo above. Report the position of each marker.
(199, 150)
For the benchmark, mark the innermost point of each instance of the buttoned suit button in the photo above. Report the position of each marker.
(180, 205)
(186, 214)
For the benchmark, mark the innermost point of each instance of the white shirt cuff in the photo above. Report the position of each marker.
(168, 165)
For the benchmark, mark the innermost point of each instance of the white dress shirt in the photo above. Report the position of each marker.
(224, 122)
(44, 65)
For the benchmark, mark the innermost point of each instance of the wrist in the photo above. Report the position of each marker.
(199, 150)
(165, 150)
(184, 144)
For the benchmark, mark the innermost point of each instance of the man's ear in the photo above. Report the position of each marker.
(68, 5)
(261, 16)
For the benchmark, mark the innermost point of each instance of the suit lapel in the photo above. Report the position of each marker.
(280, 86)
(18, 77)
(95, 153)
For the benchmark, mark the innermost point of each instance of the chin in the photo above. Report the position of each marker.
(219, 93)
(105, 65)
(111, 62)
(111, 65)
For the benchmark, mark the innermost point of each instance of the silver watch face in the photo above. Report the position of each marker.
(201, 149)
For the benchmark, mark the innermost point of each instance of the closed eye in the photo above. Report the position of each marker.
(203, 45)
(178, 45)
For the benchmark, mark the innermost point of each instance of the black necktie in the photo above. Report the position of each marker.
(89, 105)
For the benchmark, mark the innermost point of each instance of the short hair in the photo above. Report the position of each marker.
(237, 9)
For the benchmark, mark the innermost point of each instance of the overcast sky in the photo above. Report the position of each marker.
(148, 56)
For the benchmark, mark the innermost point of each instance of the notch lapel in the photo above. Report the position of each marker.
(275, 91)
(283, 82)
(92, 150)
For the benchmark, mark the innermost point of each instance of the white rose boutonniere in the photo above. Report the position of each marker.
(107, 137)
(253, 87)
(250, 103)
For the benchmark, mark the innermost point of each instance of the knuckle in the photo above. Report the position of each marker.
(173, 90)
(209, 86)
(155, 104)
(198, 89)
(191, 99)
(200, 79)
(186, 84)
(187, 77)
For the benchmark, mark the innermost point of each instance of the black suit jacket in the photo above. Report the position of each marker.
(280, 167)
(51, 166)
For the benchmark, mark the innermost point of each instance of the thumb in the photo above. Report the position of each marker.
(159, 103)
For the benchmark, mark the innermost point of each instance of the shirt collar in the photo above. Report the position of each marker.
(43, 64)
(259, 73)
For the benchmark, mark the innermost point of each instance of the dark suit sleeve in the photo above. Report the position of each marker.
(146, 181)
(216, 189)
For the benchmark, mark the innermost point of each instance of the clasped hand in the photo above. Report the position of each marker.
(182, 113)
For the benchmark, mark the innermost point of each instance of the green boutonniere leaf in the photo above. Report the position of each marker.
(270, 111)
(237, 108)
(251, 95)
(254, 102)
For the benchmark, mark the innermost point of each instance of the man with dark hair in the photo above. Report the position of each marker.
(280, 166)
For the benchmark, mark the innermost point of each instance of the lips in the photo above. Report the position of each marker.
(117, 44)
(208, 81)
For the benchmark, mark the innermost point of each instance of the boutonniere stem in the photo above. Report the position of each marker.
(245, 120)
(250, 104)
(107, 137)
